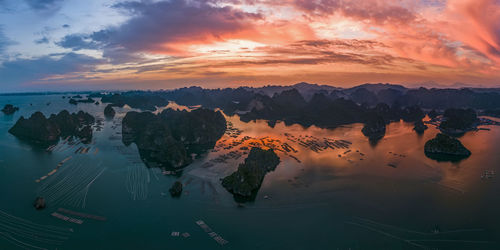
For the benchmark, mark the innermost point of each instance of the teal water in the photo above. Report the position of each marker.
(355, 201)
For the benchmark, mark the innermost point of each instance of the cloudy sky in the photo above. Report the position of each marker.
(153, 44)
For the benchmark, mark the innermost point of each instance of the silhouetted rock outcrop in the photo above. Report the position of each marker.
(308, 104)
(445, 148)
(170, 138)
(412, 114)
(9, 109)
(285, 106)
(41, 130)
(246, 181)
(176, 189)
(459, 121)
(109, 112)
(291, 108)
(328, 113)
(75, 102)
(238, 99)
(374, 127)
(420, 127)
(389, 114)
(449, 98)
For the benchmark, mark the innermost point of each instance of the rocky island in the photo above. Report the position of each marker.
(109, 112)
(9, 109)
(246, 181)
(374, 128)
(290, 107)
(75, 102)
(445, 148)
(420, 127)
(45, 131)
(171, 138)
(412, 114)
(176, 189)
(310, 104)
(458, 121)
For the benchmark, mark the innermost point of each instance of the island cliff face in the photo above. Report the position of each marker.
(290, 107)
(246, 181)
(41, 130)
(349, 109)
(109, 112)
(170, 138)
(374, 127)
(445, 148)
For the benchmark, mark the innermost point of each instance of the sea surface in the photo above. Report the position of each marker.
(362, 195)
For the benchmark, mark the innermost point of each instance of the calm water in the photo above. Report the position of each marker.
(383, 196)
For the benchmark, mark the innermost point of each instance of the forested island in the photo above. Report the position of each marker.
(46, 131)
(446, 148)
(171, 138)
(246, 181)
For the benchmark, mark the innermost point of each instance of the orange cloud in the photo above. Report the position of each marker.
(477, 24)
(449, 41)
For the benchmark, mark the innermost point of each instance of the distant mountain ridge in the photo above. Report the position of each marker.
(307, 90)
(372, 94)
(369, 95)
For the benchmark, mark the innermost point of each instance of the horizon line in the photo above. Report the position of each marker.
(53, 92)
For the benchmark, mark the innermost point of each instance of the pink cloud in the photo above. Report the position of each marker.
(168, 27)
(457, 33)
(370, 11)
(477, 24)
(424, 39)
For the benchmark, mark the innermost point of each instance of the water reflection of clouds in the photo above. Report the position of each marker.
(399, 156)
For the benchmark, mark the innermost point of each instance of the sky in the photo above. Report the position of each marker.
(49, 45)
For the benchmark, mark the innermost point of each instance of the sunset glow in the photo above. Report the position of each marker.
(114, 44)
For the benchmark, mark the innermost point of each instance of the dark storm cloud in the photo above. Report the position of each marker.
(158, 24)
(155, 26)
